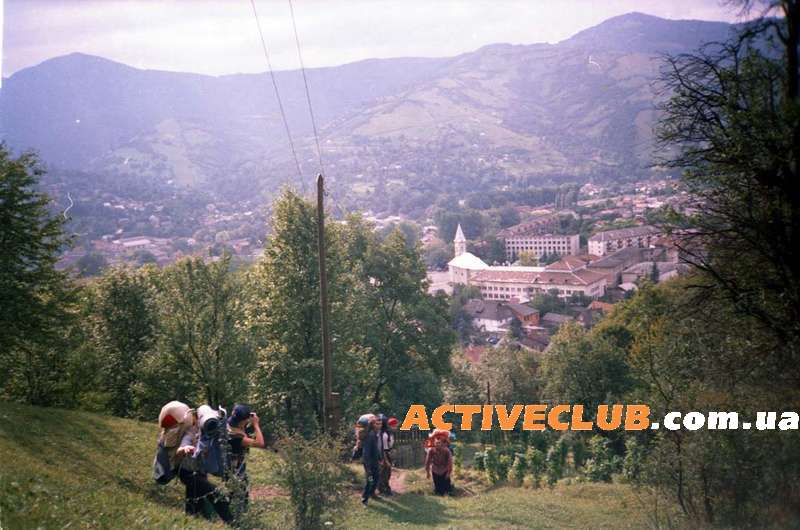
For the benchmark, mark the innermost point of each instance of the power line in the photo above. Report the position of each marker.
(305, 82)
(277, 92)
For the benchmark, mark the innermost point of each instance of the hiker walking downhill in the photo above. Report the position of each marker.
(439, 463)
(371, 458)
(244, 432)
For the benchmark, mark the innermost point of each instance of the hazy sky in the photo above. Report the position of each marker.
(217, 37)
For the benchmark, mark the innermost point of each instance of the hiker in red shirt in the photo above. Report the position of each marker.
(439, 462)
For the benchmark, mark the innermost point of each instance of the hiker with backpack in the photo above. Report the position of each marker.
(244, 432)
(174, 420)
(371, 458)
(439, 463)
(389, 425)
(201, 495)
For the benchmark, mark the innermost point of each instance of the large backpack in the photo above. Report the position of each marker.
(174, 420)
(213, 450)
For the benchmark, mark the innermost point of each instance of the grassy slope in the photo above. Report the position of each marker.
(64, 468)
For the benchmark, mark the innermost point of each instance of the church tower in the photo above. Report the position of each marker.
(460, 242)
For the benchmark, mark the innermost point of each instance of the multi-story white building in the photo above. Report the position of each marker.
(536, 237)
(541, 244)
(604, 243)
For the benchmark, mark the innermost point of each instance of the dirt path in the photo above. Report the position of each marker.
(398, 481)
(267, 492)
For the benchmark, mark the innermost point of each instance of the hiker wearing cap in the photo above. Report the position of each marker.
(389, 425)
(200, 493)
(244, 432)
(439, 463)
(371, 458)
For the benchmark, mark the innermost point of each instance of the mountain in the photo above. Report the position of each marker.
(501, 115)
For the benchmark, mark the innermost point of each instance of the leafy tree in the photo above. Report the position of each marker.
(548, 302)
(528, 259)
(590, 370)
(438, 255)
(411, 330)
(512, 375)
(122, 322)
(144, 257)
(515, 330)
(732, 126)
(200, 317)
(283, 315)
(37, 299)
(460, 319)
(91, 264)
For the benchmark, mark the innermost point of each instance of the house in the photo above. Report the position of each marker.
(535, 237)
(525, 314)
(664, 271)
(593, 313)
(488, 316)
(611, 266)
(555, 320)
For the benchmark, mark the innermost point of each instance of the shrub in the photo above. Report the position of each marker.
(312, 472)
(519, 468)
(602, 463)
(497, 465)
(536, 464)
(491, 463)
(579, 452)
(555, 462)
(479, 461)
(458, 457)
(632, 464)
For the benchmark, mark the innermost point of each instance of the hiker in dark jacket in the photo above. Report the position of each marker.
(371, 458)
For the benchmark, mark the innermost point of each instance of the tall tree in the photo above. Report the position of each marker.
(201, 317)
(123, 322)
(732, 125)
(36, 297)
(410, 331)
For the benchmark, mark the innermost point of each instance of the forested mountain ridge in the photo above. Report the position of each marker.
(500, 115)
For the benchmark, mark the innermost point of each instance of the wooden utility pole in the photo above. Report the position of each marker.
(327, 368)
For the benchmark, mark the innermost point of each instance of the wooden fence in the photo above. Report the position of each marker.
(408, 449)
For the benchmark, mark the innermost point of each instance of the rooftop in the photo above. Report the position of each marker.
(624, 233)
(578, 277)
(487, 310)
(469, 261)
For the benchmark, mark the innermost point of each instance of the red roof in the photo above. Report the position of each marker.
(602, 306)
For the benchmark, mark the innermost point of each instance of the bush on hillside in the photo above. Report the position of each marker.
(312, 472)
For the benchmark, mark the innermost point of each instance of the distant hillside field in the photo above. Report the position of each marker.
(68, 469)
